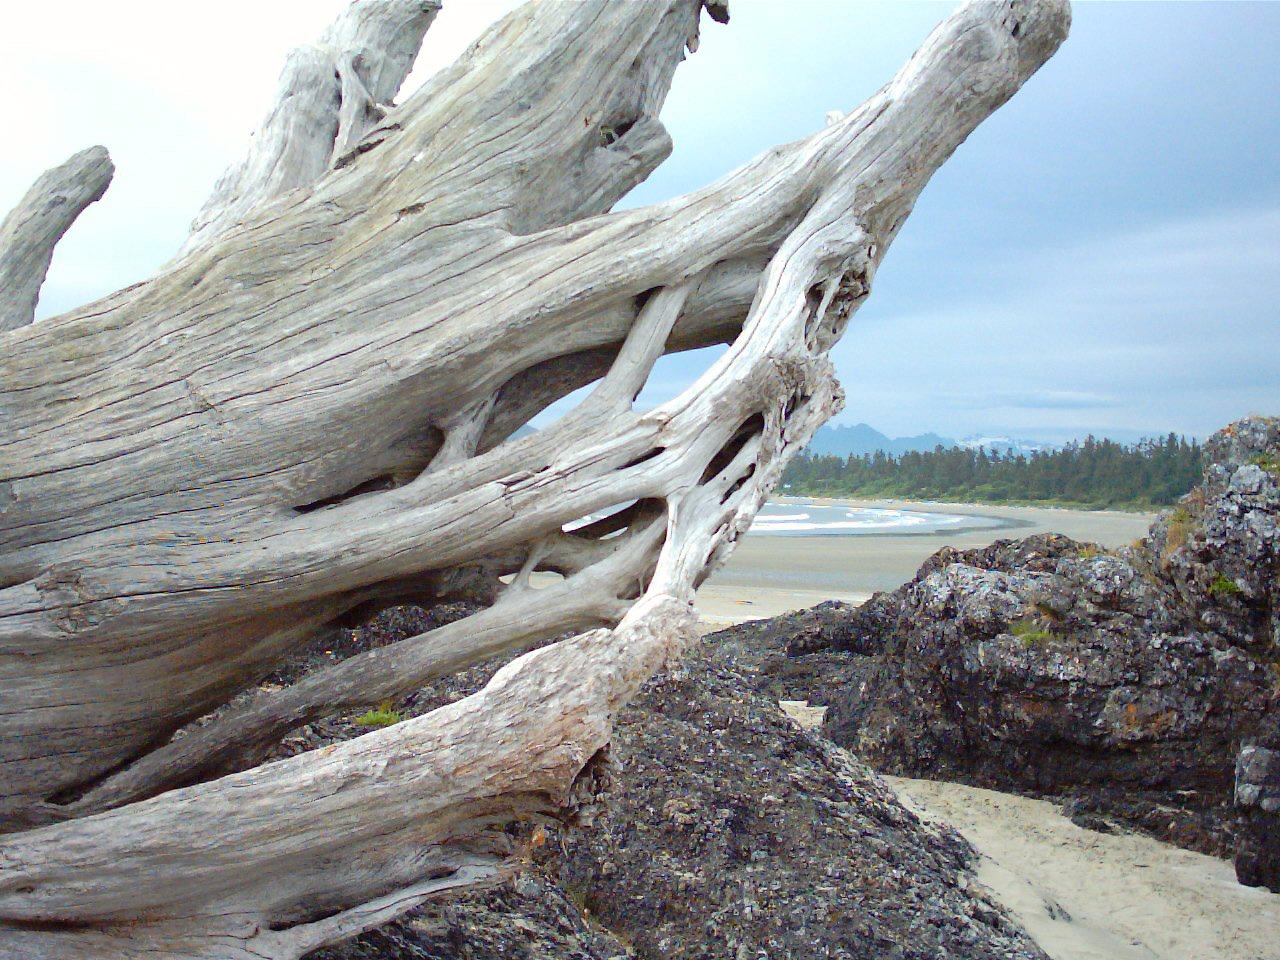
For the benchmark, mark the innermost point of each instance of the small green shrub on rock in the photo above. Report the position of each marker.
(1030, 631)
(1223, 586)
(384, 715)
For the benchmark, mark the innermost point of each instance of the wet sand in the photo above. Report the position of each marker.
(769, 575)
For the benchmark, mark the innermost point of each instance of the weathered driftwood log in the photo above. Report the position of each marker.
(304, 418)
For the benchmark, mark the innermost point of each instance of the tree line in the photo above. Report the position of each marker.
(1093, 473)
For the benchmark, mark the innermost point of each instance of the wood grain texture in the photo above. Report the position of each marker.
(304, 417)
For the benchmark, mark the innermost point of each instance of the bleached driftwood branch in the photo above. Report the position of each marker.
(33, 228)
(304, 418)
(332, 95)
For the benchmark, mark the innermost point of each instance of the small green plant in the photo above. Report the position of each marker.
(1269, 462)
(1181, 523)
(383, 715)
(1223, 586)
(1030, 631)
(1091, 550)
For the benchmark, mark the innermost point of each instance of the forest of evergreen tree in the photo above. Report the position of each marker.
(1094, 474)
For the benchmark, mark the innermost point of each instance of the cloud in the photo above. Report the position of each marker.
(1171, 326)
(1032, 400)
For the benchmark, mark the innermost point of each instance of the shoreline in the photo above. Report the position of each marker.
(952, 507)
(1001, 521)
(769, 575)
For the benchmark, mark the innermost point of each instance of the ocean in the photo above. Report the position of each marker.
(815, 518)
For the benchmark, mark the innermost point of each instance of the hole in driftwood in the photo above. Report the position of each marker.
(400, 463)
(599, 522)
(372, 485)
(644, 458)
(673, 372)
(613, 131)
(738, 484)
(602, 524)
(812, 303)
(287, 924)
(794, 402)
(539, 578)
(751, 427)
(643, 297)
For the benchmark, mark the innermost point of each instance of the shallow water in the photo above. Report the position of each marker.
(817, 518)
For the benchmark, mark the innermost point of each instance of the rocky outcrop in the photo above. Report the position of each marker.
(734, 833)
(529, 917)
(729, 832)
(1127, 683)
(1257, 798)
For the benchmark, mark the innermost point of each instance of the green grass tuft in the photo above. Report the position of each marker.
(1224, 587)
(1181, 525)
(1030, 631)
(1269, 462)
(384, 715)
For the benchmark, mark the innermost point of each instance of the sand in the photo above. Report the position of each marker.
(1084, 895)
(1091, 896)
(769, 575)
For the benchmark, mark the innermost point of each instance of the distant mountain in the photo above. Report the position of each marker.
(861, 439)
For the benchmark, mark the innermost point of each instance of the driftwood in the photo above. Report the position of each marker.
(305, 417)
(33, 228)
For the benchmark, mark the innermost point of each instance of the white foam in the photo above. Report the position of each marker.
(818, 517)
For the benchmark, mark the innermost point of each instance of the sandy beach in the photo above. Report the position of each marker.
(769, 575)
(1091, 896)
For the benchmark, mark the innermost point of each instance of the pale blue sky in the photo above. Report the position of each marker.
(1102, 256)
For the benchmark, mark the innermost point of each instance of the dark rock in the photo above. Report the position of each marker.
(832, 625)
(1257, 796)
(733, 833)
(730, 832)
(1079, 813)
(527, 918)
(1220, 550)
(1127, 680)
